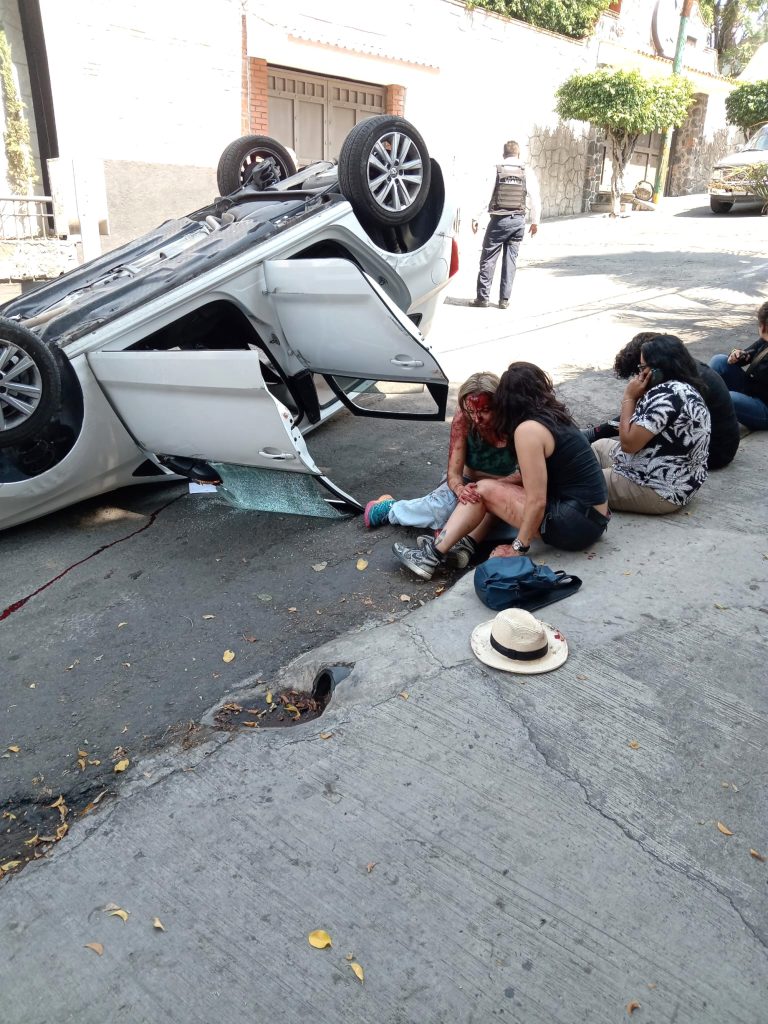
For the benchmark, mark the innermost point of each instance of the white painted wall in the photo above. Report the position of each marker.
(145, 80)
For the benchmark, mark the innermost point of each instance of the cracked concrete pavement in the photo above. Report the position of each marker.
(529, 865)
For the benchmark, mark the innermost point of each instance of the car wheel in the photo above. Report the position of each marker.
(30, 384)
(384, 170)
(719, 205)
(241, 157)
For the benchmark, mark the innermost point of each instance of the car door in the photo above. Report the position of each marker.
(213, 406)
(339, 323)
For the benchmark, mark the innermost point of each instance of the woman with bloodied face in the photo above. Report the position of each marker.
(475, 453)
(558, 495)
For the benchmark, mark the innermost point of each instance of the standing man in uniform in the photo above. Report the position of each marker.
(515, 183)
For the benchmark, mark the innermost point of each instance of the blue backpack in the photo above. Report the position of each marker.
(520, 583)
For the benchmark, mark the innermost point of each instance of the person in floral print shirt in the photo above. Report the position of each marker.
(659, 461)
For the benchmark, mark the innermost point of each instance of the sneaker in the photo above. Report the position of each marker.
(459, 556)
(422, 560)
(590, 432)
(503, 303)
(376, 511)
(480, 302)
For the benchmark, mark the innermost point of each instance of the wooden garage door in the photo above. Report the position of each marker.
(313, 115)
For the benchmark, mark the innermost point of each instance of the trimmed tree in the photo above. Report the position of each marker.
(747, 106)
(625, 106)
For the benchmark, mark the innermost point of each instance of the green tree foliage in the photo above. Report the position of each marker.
(747, 106)
(21, 166)
(569, 17)
(738, 28)
(625, 106)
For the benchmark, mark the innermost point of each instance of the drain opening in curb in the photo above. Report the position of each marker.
(282, 708)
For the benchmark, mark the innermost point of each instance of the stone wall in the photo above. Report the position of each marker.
(695, 151)
(559, 156)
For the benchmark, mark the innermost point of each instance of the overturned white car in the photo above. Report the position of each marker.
(209, 347)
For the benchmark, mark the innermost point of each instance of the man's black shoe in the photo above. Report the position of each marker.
(480, 302)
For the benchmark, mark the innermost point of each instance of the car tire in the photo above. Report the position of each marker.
(238, 159)
(385, 170)
(719, 205)
(30, 377)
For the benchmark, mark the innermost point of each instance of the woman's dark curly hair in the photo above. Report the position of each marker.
(667, 353)
(625, 363)
(525, 392)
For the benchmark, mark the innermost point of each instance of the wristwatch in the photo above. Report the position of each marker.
(522, 548)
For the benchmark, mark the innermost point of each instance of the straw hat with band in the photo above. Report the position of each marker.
(515, 641)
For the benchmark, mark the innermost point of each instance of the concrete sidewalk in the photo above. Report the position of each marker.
(529, 865)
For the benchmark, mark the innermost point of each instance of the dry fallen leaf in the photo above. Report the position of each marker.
(9, 865)
(81, 762)
(9, 816)
(722, 607)
(756, 855)
(319, 939)
(319, 566)
(209, 616)
(359, 972)
(293, 609)
(631, 1007)
(634, 745)
(97, 947)
(724, 829)
(122, 914)
(122, 765)
(268, 698)
(33, 841)
(439, 590)
(326, 735)
(228, 656)
(405, 597)
(293, 710)
(361, 564)
(121, 624)
(57, 803)
(404, 695)
(14, 749)
(157, 923)
(369, 867)
(94, 761)
(83, 753)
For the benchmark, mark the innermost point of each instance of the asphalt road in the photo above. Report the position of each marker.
(146, 588)
(124, 651)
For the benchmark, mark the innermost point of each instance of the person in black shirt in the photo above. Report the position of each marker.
(745, 372)
(725, 437)
(559, 493)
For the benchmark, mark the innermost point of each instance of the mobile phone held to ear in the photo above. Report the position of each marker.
(657, 377)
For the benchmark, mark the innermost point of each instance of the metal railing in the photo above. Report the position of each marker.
(26, 217)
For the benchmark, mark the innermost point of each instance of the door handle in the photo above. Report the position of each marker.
(406, 362)
(277, 456)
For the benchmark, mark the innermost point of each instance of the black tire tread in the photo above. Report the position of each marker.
(231, 159)
(353, 169)
(50, 374)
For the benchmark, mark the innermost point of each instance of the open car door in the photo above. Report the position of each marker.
(210, 406)
(339, 323)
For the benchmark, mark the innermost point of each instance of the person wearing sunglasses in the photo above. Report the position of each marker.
(659, 461)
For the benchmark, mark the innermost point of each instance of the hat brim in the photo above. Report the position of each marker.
(557, 651)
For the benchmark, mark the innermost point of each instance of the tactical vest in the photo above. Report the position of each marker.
(510, 192)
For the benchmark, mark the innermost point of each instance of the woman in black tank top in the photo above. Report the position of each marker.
(559, 494)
